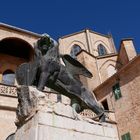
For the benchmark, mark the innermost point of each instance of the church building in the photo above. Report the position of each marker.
(115, 82)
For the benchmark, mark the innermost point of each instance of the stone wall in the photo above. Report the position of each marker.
(49, 126)
(7, 31)
(126, 53)
(103, 64)
(97, 38)
(55, 121)
(90, 63)
(88, 40)
(8, 104)
(8, 62)
(98, 66)
(7, 125)
(127, 107)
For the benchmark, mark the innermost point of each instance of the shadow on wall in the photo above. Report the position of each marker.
(16, 47)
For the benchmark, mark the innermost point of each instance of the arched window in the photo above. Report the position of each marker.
(101, 50)
(75, 50)
(8, 77)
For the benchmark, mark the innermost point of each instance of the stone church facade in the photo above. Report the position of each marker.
(115, 82)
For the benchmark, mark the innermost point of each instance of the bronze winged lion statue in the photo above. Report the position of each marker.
(46, 70)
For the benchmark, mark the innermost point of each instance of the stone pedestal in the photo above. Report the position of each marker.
(56, 121)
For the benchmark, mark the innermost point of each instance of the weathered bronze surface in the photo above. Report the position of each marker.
(46, 70)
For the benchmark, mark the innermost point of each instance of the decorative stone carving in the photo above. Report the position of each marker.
(8, 90)
(88, 113)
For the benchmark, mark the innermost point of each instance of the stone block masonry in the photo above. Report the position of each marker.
(56, 121)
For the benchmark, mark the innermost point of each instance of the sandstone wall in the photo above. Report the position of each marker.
(127, 107)
(58, 121)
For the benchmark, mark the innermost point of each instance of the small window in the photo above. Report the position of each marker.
(74, 51)
(126, 136)
(8, 77)
(105, 104)
(117, 91)
(101, 50)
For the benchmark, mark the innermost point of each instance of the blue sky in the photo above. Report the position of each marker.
(121, 18)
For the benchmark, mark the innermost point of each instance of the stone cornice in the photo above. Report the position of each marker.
(82, 31)
(98, 57)
(19, 30)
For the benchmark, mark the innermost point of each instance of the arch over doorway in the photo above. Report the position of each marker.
(16, 47)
